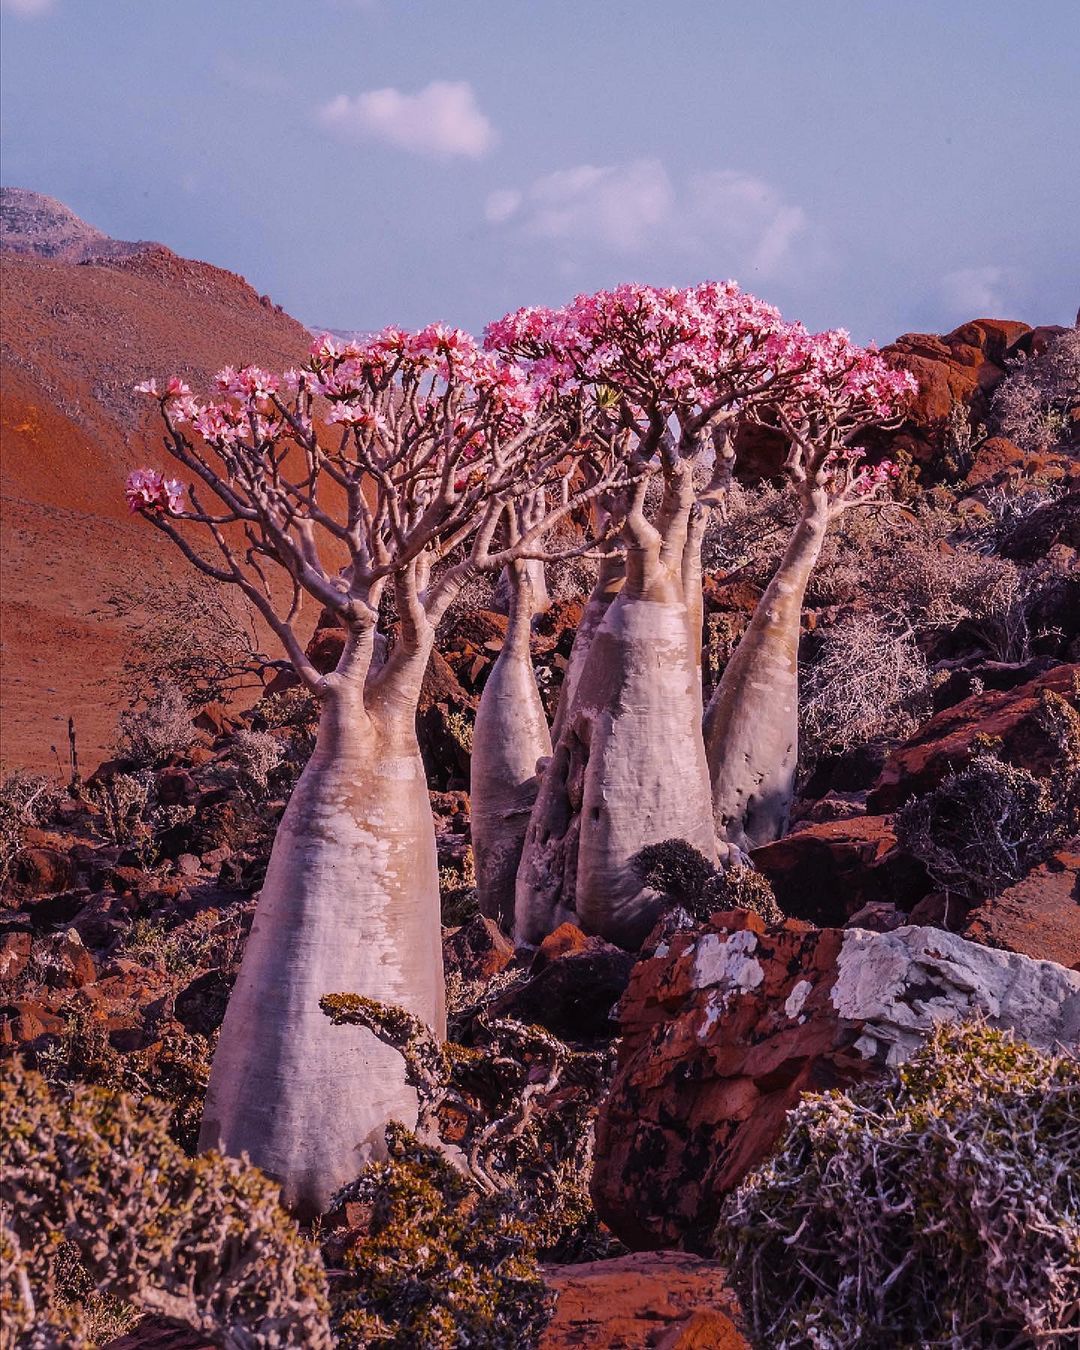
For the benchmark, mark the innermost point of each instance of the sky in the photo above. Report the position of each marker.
(884, 167)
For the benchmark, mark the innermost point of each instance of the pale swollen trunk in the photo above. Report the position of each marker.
(629, 768)
(350, 904)
(609, 582)
(752, 721)
(510, 737)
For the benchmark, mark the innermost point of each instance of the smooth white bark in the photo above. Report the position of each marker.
(350, 904)
(752, 722)
(509, 738)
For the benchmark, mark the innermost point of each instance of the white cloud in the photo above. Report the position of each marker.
(442, 120)
(28, 9)
(731, 219)
(979, 291)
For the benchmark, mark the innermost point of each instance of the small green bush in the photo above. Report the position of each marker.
(203, 1241)
(938, 1208)
(438, 1263)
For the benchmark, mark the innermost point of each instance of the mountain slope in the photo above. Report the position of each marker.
(76, 337)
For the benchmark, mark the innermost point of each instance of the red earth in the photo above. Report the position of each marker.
(76, 337)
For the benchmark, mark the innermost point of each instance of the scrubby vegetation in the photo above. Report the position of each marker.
(94, 1177)
(434, 1261)
(941, 1207)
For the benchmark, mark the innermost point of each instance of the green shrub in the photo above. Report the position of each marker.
(437, 1263)
(938, 1208)
(203, 1241)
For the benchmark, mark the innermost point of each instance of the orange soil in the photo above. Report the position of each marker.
(74, 339)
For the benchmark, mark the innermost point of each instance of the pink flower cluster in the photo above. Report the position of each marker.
(348, 372)
(176, 397)
(670, 349)
(146, 490)
(666, 347)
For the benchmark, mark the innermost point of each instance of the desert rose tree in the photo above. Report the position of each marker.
(669, 370)
(374, 479)
(837, 392)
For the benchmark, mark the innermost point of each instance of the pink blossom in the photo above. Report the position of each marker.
(147, 387)
(147, 491)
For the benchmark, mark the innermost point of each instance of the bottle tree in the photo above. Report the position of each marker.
(839, 390)
(373, 482)
(668, 371)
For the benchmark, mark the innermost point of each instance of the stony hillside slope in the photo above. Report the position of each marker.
(76, 336)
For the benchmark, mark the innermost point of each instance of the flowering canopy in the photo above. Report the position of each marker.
(431, 442)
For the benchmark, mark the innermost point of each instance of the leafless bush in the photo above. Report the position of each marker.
(201, 1240)
(866, 682)
(193, 635)
(931, 586)
(256, 755)
(750, 531)
(981, 829)
(163, 727)
(937, 1208)
(124, 803)
(1006, 509)
(1033, 405)
(26, 799)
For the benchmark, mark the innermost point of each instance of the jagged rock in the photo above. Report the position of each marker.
(14, 956)
(1055, 523)
(968, 680)
(477, 950)
(952, 737)
(65, 961)
(824, 872)
(648, 1299)
(1038, 916)
(573, 988)
(724, 1029)
(41, 871)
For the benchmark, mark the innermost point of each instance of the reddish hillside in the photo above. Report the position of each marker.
(76, 337)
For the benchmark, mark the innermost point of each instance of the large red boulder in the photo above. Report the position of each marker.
(723, 1029)
(824, 872)
(1039, 916)
(1015, 720)
(962, 367)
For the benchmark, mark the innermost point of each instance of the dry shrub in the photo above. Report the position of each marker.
(192, 634)
(866, 682)
(124, 802)
(986, 826)
(1034, 404)
(751, 531)
(203, 1241)
(677, 870)
(940, 1207)
(149, 735)
(437, 1263)
(256, 755)
(26, 799)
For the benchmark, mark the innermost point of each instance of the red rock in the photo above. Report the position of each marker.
(1038, 916)
(44, 870)
(995, 458)
(477, 950)
(824, 872)
(14, 956)
(1053, 523)
(573, 988)
(177, 787)
(963, 367)
(952, 737)
(24, 1020)
(722, 1030)
(647, 1299)
(701, 1089)
(65, 961)
(215, 719)
(155, 1333)
(566, 940)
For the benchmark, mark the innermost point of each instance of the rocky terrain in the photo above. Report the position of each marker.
(129, 889)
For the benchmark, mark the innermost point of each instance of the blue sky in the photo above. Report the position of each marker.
(881, 166)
